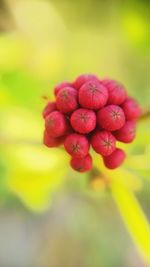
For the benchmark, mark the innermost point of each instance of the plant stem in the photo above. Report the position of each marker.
(145, 115)
(133, 218)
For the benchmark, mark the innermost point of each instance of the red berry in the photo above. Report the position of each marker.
(83, 120)
(81, 165)
(76, 145)
(61, 86)
(103, 142)
(52, 142)
(93, 95)
(116, 91)
(51, 106)
(66, 100)
(127, 133)
(114, 160)
(111, 118)
(83, 79)
(56, 124)
(131, 109)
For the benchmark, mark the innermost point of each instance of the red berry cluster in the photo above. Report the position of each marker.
(91, 111)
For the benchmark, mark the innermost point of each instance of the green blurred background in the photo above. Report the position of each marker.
(50, 216)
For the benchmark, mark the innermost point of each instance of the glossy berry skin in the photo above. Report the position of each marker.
(127, 133)
(131, 109)
(116, 91)
(51, 106)
(81, 164)
(93, 95)
(76, 145)
(66, 100)
(115, 159)
(56, 124)
(91, 111)
(103, 142)
(83, 120)
(111, 118)
(52, 142)
(83, 79)
(61, 86)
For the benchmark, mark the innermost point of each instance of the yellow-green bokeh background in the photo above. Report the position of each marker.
(42, 43)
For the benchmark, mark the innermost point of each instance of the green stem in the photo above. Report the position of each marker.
(145, 115)
(134, 218)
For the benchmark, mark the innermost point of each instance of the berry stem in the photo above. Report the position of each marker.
(95, 173)
(145, 115)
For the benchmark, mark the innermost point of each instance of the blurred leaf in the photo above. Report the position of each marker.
(138, 153)
(13, 52)
(22, 87)
(143, 174)
(138, 162)
(20, 125)
(135, 20)
(136, 27)
(5, 96)
(133, 217)
(126, 176)
(48, 61)
(37, 175)
(34, 171)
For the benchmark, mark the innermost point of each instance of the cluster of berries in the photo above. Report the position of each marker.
(91, 111)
